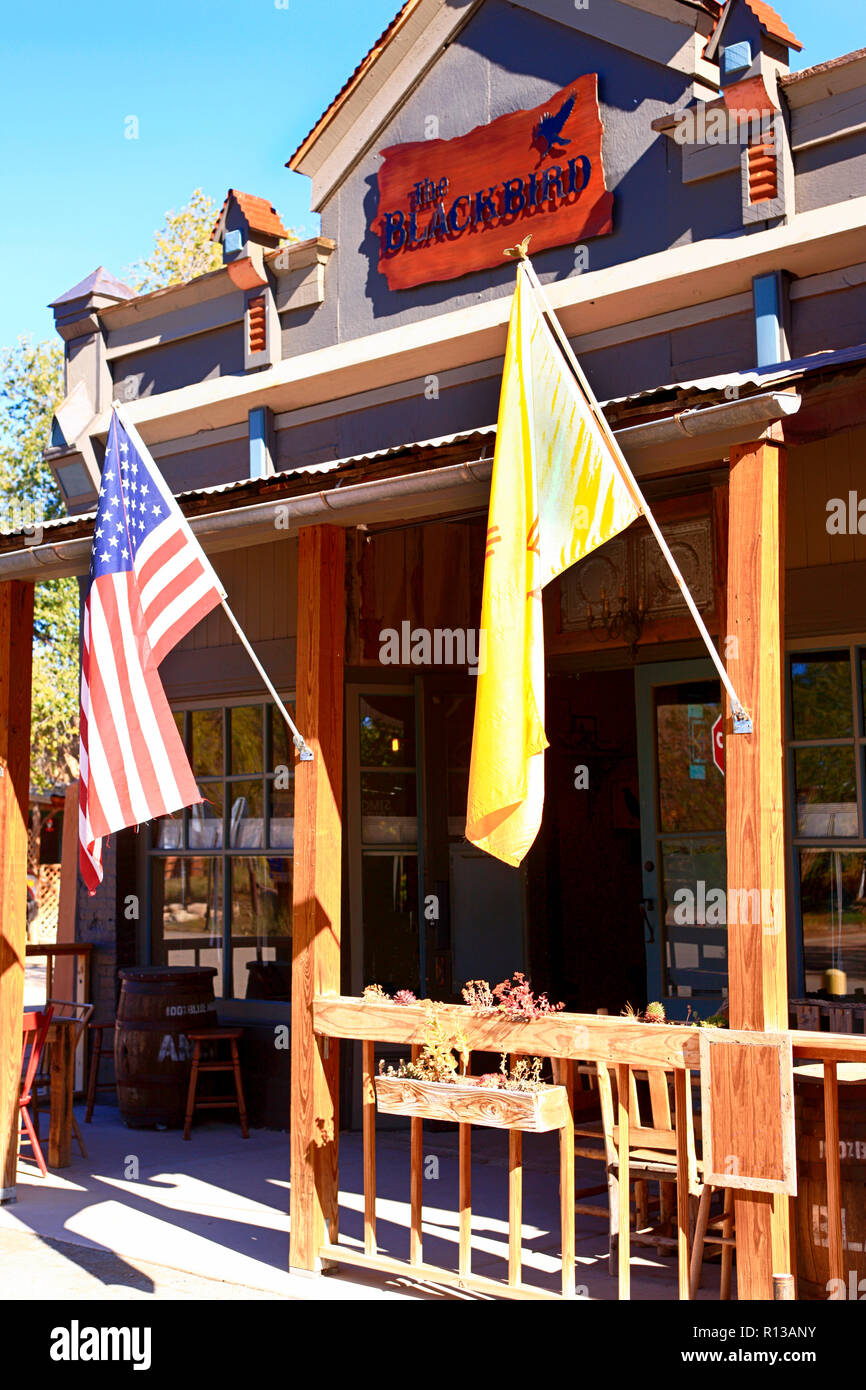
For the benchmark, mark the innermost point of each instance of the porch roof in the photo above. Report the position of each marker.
(450, 472)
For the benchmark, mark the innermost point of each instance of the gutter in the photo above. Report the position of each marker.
(673, 443)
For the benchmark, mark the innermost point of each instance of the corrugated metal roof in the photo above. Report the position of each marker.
(759, 377)
(772, 375)
(255, 485)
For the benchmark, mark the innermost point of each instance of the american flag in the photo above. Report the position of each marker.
(150, 582)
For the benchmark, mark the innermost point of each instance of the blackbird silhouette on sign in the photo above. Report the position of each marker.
(547, 135)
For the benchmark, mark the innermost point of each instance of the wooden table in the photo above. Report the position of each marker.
(62, 1036)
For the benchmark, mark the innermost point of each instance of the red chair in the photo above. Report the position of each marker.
(35, 1030)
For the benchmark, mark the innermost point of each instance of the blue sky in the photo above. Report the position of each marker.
(223, 94)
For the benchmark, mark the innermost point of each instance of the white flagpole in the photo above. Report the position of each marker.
(305, 753)
(741, 720)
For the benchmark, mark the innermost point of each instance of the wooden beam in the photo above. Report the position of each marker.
(66, 969)
(592, 1037)
(16, 648)
(316, 892)
(624, 1245)
(836, 1248)
(757, 947)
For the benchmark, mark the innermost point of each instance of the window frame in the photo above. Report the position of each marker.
(150, 852)
(855, 646)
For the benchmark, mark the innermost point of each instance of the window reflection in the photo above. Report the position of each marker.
(388, 808)
(261, 925)
(282, 824)
(246, 815)
(390, 893)
(247, 807)
(187, 912)
(247, 749)
(458, 721)
(205, 821)
(826, 792)
(691, 789)
(833, 903)
(821, 695)
(206, 742)
(387, 731)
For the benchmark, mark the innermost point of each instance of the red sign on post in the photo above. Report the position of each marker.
(447, 207)
(718, 732)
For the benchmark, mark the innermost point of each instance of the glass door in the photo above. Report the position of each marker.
(383, 798)
(682, 796)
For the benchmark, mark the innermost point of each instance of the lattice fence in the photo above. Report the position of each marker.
(44, 927)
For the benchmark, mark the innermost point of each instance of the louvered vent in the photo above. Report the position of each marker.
(763, 172)
(257, 320)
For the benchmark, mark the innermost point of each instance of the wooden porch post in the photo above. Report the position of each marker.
(16, 648)
(757, 950)
(316, 906)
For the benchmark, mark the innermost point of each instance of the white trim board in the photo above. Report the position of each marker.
(685, 276)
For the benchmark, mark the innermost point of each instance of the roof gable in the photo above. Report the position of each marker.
(259, 215)
(99, 282)
(668, 32)
(769, 21)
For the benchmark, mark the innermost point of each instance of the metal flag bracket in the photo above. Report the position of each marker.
(741, 722)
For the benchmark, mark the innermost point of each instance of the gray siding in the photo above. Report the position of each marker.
(504, 59)
(165, 368)
(827, 321)
(831, 173)
(219, 463)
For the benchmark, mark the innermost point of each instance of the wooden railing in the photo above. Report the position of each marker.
(623, 1045)
(831, 1049)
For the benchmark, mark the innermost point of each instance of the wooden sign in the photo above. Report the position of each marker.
(447, 207)
(747, 1110)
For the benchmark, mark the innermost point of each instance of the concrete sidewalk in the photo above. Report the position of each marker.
(148, 1215)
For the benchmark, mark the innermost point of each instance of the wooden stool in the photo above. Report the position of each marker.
(215, 1035)
(97, 1051)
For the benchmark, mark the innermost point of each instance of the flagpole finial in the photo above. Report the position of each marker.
(520, 252)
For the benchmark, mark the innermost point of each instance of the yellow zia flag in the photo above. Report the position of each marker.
(555, 495)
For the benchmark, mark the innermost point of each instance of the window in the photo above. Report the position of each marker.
(827, 749)
(690, 840)
(221, 872)
(389, 840)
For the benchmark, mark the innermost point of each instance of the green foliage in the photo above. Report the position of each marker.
(182, 249)
(31, 385)
(54, 706)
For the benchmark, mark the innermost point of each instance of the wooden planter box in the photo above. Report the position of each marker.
(466, 1102)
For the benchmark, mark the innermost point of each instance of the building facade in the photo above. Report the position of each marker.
(697, 213)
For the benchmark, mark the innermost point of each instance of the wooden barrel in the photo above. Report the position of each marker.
(813, 1256)
(152, 1054)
